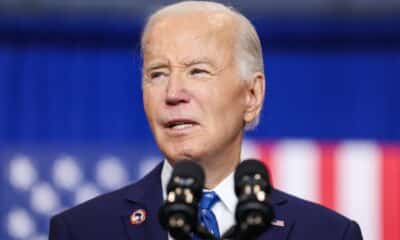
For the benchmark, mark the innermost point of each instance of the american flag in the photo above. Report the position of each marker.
(360, 179)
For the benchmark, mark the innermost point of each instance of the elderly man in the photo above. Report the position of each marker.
(203, 85)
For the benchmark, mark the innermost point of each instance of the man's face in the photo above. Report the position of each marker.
(193, 97)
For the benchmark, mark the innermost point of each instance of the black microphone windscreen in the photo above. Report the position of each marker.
(252, 186)
(189, 169)
(179, 212)
(251, 167)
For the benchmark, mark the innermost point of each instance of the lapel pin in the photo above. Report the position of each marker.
(278, 223)
(138, 216)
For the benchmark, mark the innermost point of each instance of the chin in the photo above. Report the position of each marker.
(183, 153)
(179, 156)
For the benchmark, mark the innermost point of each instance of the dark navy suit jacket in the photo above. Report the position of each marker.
(107, 217)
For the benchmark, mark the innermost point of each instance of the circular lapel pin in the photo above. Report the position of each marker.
(138, 216)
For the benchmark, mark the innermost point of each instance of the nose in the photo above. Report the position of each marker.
(176, 91)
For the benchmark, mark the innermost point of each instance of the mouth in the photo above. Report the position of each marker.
(180, 124)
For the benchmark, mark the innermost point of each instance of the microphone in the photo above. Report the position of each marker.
(179, 213)
(252, 187)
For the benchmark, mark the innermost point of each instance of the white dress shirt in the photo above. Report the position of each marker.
(223, 210)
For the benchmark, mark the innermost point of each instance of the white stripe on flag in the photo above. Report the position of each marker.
(297, 168)
(358, 185)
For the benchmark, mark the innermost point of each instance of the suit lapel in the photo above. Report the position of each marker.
(144, 197)
(282, 224)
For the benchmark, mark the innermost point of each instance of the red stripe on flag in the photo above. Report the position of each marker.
(327, 175)
(391, 193)
(265, 150)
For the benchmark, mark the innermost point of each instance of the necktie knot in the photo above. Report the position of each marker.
(208, 200)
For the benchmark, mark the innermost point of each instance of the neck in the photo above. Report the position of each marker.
(219, 166)
(215, 174)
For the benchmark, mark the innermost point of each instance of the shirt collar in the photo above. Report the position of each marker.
(166, 173)
(225, 189)
(226, 192)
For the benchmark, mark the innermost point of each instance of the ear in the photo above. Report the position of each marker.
(254, 96)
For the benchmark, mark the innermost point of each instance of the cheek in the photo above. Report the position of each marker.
(233, 108)
(150, 104)
(230, 97)
(225, 109)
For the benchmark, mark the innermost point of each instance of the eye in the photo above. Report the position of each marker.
(197, 71)
(158, 74)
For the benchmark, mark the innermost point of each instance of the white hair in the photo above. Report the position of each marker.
(248, 57)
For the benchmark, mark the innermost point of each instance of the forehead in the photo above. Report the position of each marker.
(190, 34)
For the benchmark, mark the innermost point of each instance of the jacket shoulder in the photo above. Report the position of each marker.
(301, 207)
(313, 219)
(108, 202)
(97, 204)
(104, 211)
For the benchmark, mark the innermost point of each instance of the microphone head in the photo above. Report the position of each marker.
(187, 173)
(251, 167)
(179, 212)
(253, 211)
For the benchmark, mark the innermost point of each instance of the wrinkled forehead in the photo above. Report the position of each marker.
(177, 30)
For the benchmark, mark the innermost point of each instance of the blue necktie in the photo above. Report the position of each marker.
(206, 216)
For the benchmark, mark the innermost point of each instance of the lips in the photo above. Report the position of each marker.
(180, 124)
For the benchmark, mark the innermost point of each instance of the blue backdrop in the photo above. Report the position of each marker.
(79, 79)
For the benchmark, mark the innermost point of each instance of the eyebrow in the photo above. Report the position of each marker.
(186, 63)
(195, 61)
(156, 65)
